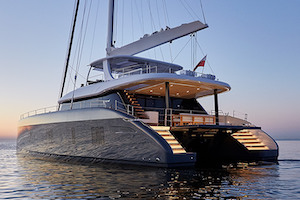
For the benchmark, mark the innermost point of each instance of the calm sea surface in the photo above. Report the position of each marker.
(35, 179)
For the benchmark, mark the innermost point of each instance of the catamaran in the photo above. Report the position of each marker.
(145, 112)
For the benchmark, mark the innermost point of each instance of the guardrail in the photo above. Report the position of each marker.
(165, 116)
(39, 111)
(80, 105)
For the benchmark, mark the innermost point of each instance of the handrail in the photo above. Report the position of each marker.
(80, 105)
(165, 115)
(147, 70)
(39, 111)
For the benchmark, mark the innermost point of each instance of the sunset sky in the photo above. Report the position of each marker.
(252, 45)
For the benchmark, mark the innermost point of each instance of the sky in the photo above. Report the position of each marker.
(252, 45)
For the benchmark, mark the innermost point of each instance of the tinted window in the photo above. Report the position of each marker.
(107, 101)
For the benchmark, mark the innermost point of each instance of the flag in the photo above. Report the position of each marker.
(201, 63)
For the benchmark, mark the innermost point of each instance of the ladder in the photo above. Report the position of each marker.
(164, 131)
(249, 140)
(138, 110)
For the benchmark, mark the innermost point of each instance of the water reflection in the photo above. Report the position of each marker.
(44, 179)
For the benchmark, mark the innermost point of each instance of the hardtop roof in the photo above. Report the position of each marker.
(128, 63)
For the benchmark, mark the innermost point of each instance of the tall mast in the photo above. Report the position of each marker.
(69, 51)
(110, 26)
(109, 44)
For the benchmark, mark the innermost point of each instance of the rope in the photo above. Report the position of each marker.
(122, 23)
(181, 50)
(166, 13)
(140, 17)
(75, 12)
(202, 12)
(206, 59)
(132, 27)
(95, 25)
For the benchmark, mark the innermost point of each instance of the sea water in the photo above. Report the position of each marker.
(24, 178)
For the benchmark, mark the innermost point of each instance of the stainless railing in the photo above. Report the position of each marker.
(165, 116)
(145, 70)
(117, 105)
(39, 111)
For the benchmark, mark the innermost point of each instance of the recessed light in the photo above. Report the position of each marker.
(177, 93)
(187, 91)
(198, 88)
(161, 88)
(151, 90)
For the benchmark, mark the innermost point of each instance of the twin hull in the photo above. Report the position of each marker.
(105, 135)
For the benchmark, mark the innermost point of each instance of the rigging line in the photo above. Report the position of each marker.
(151, 17)
(123, 23)
(158, 14)
(203, 55)
(162, 55)
(161, 52)
(166, 13)
(132, 28)
(202, 12)
(142, 17)
(187, 10)
(82, 38)
(170, 51)
(191, 8)
(191, 35)
(152, 23)
(93, 37)
(167, 22)
(181, 50)
(195, 49)
(70, 48)
(139, 19)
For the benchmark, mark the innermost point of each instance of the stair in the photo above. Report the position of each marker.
(249, 140)
(138, 110)
(164, 131)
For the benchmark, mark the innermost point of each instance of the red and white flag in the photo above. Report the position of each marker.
(201, 63)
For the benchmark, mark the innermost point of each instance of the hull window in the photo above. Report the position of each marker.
(97, 135)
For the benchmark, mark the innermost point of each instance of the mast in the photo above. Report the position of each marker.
(109, 44)
(110, 27)
(69, 51)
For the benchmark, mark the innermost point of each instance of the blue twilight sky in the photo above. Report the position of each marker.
(252, 45)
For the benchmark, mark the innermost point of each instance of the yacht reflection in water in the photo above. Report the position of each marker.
(47, 180)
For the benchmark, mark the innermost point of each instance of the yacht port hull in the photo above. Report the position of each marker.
(111, 138)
